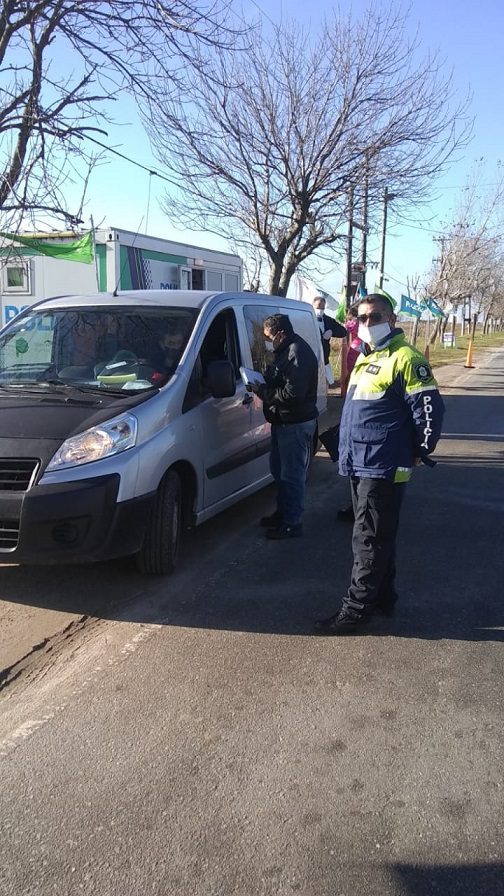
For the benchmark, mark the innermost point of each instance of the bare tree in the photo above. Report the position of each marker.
(47, 121)
(494, 317)
(271, 143)
(472, 248)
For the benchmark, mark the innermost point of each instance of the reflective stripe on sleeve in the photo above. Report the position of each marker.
(367, 396)
(417, 389)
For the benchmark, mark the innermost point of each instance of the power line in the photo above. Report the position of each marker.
(155, 173)
(122, 155)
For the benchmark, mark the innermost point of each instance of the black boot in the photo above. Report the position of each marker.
(345, 622)
(285, 531)
(271, 521)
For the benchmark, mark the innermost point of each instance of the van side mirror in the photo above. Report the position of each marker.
(221, 379)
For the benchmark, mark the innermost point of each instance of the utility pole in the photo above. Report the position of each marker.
(386, 199)
(364, 228)
(348, 293)
(349, 289)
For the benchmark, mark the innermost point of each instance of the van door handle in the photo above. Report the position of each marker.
(248, 399)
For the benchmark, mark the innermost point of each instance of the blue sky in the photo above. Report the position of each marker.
(469, 37)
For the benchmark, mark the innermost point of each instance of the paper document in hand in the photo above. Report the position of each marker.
(251, 377)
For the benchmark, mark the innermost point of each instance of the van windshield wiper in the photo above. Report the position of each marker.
(39, 387)
(79, 387)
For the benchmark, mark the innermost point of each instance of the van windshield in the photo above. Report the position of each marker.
(100, 348)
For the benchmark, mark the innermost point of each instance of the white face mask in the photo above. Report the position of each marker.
(320, 313)
(373, 335)
(268, 345)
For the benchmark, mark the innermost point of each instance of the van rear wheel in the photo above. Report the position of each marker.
(159, 552)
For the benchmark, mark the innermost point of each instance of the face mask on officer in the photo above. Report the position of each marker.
(372, 328)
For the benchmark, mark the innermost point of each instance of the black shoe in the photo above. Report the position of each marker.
(346, 515)
(285, 531)
(272, 521)
(343, 623)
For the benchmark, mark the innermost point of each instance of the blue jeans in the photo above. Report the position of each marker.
(291, 448)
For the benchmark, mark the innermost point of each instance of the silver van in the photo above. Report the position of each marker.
(124, 418)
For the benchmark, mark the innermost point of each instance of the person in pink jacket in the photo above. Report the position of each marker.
(354, 349)
(346, 514)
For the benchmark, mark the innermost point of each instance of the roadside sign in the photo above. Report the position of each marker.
(449, 340)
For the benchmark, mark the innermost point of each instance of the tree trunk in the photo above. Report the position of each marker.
(435, 331)
(274, 287)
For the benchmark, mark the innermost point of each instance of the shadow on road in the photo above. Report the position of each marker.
(450, 566)
(450, 880)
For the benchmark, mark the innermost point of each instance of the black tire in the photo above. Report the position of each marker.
(159, 553)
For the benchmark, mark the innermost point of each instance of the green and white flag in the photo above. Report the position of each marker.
(434, 308)
(76, 250)
(409, 306)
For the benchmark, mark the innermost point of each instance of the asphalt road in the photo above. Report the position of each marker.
(190, 737)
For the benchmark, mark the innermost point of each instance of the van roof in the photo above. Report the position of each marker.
(159, 298)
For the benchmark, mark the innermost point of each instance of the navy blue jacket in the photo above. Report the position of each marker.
(392, 414)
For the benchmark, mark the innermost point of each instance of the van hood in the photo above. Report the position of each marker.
(35, 414)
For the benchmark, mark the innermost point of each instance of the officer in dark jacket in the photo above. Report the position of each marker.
(391, 422)
(289, 398)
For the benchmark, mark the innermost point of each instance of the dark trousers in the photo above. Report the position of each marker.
(376, 504)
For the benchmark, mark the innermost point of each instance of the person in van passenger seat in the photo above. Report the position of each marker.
(83, 340)
(289, 398)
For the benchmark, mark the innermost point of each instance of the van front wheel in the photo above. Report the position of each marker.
(159, 552)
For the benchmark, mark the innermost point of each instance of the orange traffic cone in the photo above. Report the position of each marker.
(469, 358)
(426, 352)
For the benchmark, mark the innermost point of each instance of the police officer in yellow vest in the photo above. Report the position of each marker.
(391, 421)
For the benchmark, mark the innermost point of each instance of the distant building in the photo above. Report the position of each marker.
(122, 260)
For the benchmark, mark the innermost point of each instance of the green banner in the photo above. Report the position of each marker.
(78, 250)
(433, 307)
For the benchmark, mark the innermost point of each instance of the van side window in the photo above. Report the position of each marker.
(254, 317)
(220, 344)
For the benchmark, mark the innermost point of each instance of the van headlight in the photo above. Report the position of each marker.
(100, 441)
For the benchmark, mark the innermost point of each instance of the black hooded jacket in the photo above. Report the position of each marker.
(290, 393)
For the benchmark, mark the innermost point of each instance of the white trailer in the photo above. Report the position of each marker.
(123, 260)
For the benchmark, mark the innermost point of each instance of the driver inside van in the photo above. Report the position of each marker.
(166, 353)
